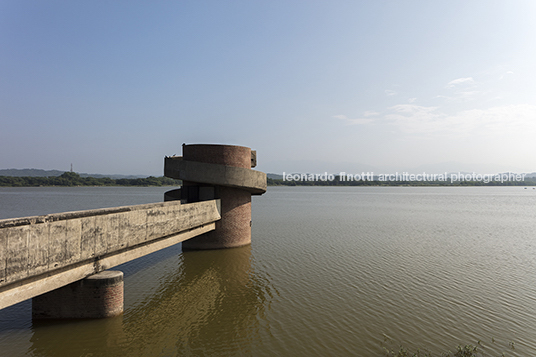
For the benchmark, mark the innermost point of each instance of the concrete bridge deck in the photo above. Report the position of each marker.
(42, 253)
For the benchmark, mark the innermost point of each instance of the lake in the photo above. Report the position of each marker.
(332, 271)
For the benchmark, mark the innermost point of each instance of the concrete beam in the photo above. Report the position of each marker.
(42, 253)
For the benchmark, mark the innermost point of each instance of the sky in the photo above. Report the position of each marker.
(112, 87)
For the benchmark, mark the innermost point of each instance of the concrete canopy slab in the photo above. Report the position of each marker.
(214, 174)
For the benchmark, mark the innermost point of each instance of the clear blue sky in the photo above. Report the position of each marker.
(114, 86)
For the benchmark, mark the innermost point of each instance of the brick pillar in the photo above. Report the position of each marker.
(97, 296)
(234, 228)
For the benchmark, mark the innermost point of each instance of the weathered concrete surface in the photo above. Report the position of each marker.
(42, 253)
(213, 174)
(97, 296)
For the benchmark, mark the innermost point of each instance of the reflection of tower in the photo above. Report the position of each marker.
(243, 298)
(97, 337)
(212, 304)
(223, 172)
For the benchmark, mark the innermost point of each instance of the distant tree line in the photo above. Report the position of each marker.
(74, 179)
(337, 182)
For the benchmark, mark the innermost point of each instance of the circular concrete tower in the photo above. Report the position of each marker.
(218, 172)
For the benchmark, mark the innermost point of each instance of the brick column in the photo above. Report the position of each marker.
(234, 228)
(97, 296)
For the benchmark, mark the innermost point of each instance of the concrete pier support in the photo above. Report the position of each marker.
(97, 296)
(222, 172)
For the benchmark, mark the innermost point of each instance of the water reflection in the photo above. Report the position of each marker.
(212, 303)
(355, 269)
(76, 337)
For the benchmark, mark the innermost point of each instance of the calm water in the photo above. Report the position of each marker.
(331, 272)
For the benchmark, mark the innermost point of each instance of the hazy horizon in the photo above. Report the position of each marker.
(352, 171)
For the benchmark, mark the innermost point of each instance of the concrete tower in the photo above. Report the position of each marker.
(222, 172)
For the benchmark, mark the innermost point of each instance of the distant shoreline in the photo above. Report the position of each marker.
(72, 179)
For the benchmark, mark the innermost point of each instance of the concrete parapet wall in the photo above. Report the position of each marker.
(41, 253)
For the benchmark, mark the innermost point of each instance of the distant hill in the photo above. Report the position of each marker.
(29, 172)
(274, 176)
(53, 173)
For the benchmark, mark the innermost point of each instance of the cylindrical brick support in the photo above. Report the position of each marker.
(97, 296)
(229, 155)
(234, 228)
